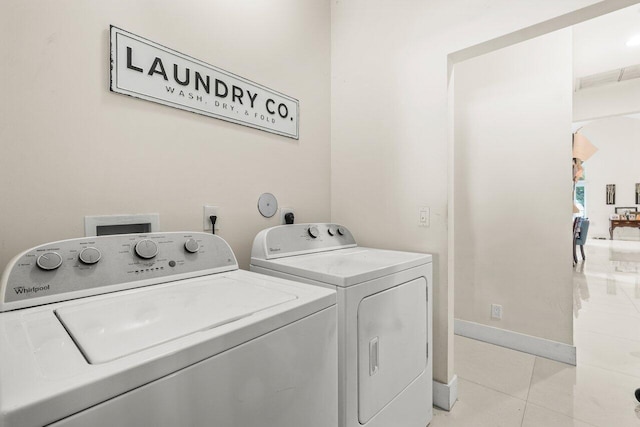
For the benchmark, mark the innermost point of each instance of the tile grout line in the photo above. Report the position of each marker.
(531, 379)
(629, 298)
(492, 389)
(524, 413)
(527, 402)
(602, 368)
(591, 365)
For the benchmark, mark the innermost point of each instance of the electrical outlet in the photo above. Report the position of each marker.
(207, 211)
(283, 212)
(496, 311)
(423, 216)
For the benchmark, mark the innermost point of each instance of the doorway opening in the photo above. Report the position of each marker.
(504, 237)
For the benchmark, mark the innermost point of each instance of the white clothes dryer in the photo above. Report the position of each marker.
(384, 318)
(161, 329)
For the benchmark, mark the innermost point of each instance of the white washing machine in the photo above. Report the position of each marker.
(161, 329)
(384, 318)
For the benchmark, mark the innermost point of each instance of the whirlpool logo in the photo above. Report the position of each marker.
(20, 290)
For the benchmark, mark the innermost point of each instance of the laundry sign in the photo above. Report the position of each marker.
(146, 70)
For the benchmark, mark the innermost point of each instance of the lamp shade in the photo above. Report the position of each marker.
(583, 149)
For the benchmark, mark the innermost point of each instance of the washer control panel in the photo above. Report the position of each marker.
(296, 239)
(93, 265)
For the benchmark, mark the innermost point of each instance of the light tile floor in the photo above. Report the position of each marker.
(502, 387)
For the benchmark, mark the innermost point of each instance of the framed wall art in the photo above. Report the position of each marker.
(623, 210)
(611, 194)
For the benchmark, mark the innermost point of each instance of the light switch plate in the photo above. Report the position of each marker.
(423, 216)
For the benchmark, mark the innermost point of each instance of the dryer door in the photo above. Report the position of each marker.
(392, 344)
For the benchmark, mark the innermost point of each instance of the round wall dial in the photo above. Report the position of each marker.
(267, 205)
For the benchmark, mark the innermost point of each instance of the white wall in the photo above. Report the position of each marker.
(512, 187)
(607, 101)
(70, 148)
(617, 141)
(389, 121)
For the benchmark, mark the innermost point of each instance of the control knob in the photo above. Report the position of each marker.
(313, 231)
(192, 245)
(331, 230)
(341, 231)
(146, 249)
(49, 261)
(90, 255)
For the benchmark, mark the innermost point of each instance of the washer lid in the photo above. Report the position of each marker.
(121, 325)
(346, 267)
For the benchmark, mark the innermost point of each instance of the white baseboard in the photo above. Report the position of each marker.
(553, 350)
(445, 395)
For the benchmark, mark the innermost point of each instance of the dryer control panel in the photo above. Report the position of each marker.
(88, 266)
(298, 239)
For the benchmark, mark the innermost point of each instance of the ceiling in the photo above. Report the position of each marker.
(599, 45)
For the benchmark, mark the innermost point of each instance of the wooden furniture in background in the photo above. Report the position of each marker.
(615, 223)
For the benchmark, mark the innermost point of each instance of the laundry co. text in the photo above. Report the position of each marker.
(144, 69)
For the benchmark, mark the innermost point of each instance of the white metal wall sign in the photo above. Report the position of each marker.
(147, 70)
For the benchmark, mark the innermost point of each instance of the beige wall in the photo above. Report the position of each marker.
(389, 121)
(512, 187)
(71, 148)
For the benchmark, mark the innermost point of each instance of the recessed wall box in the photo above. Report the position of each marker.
(102, 225)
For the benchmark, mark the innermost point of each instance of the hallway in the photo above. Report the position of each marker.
(503, 387)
